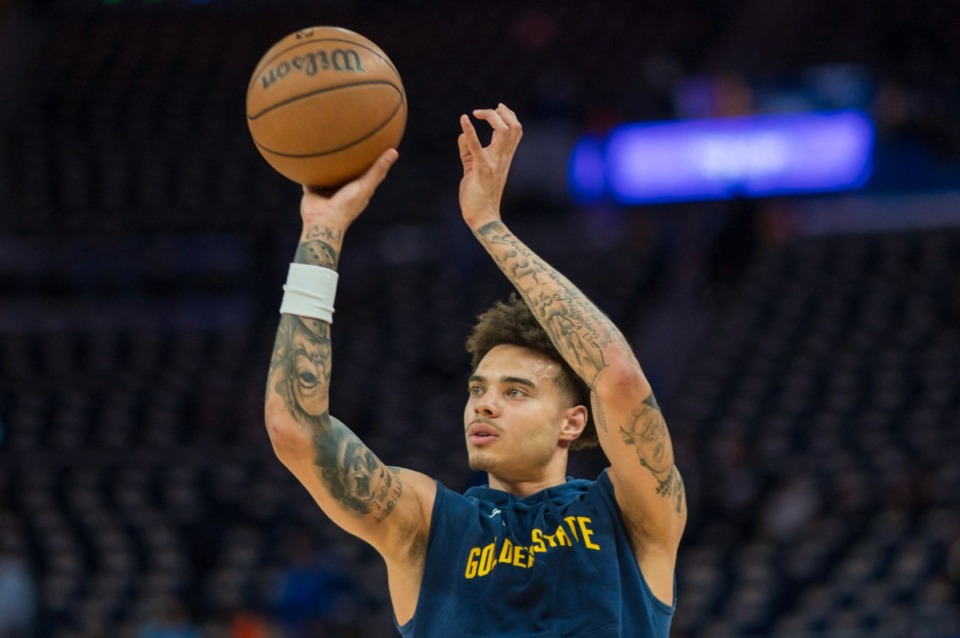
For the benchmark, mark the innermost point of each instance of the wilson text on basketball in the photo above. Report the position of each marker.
(337, 60)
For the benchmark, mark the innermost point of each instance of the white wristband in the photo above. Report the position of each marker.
(309, 292)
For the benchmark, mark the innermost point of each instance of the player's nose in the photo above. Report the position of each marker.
(486, 406)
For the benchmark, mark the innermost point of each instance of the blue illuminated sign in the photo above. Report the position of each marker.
(723, 158)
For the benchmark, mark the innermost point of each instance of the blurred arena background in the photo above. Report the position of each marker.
(805, 349)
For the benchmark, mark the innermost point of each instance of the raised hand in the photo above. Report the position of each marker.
(338, 209)
(485, 168)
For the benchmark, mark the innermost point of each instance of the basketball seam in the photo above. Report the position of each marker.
(339, 148)
(264, 63)
(323, 90)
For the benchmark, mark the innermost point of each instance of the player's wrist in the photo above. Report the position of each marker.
(324, 219)
(310, 291)
(482, 229)
(481, 217)
(320, 243)
(331, 236)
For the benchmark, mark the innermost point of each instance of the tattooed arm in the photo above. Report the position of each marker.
(385, 506)
(631, 428)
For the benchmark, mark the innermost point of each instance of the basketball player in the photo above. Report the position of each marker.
(532, 553)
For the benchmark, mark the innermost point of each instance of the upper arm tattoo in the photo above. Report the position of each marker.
(300, 371)
(356, 478)
(647, 432)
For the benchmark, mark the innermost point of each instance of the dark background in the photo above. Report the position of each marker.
(805, 350)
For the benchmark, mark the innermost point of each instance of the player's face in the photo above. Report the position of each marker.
(514, 414)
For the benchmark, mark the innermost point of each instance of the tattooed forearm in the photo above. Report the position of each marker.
(301, 354)
(580, 332)
(300, 372)
(301, 365)
(647, 433)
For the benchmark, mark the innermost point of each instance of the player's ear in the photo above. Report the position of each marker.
(574, 421)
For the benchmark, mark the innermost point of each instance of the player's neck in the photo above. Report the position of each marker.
(524, 488)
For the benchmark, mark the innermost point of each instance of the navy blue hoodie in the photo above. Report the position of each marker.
(557, 563)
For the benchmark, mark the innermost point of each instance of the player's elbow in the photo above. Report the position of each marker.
(622, 377)
(288, 439)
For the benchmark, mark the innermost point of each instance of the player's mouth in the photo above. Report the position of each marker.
(482, 434)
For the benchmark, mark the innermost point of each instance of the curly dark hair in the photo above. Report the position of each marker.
(513, 323)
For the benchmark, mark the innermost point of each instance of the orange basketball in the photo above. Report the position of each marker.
(323, 103)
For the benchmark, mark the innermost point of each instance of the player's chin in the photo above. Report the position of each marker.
(480, 460)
